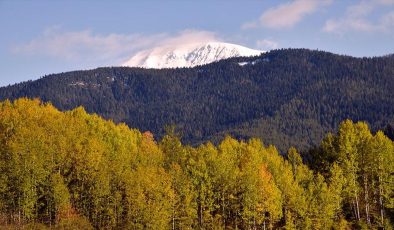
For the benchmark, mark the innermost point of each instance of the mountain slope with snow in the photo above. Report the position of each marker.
(244, 97)
(188, 55)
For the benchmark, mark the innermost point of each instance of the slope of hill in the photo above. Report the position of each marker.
(188, 55)
(286, 97)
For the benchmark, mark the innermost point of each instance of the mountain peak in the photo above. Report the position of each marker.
(188, 55)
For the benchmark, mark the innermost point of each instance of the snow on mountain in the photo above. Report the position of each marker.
(188, 55)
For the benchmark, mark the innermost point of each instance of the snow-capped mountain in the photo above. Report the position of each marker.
(188, 55)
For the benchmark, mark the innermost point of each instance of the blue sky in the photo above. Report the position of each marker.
(44, 37)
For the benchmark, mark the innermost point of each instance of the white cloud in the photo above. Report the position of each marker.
(188, 37)
(286, 15)
(267, 44)
(387, 21)
(385, 2)
(357, 18)
(343, 25)
(87, 46)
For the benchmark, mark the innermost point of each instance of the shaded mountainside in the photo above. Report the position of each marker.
(286, 97)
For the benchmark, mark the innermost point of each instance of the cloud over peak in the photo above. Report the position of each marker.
(267, 44)
(109, 49)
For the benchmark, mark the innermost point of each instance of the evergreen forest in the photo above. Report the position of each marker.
(289, 97)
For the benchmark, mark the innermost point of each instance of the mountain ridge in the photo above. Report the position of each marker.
(188, 55)
(287, 97)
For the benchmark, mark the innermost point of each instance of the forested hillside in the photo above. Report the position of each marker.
(72, 170)
(286, 97)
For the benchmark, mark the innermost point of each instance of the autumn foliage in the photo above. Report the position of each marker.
(72, 170)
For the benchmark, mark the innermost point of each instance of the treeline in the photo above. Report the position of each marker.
(290, 97)
(72, 170)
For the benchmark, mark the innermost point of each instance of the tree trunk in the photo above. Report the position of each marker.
(381, 201)
(49, 206)
(173, 215)
(366, 198)
(199, 211)
(223, 212)
(19, 216)
(254, 218)
(357, 207)
(354, 208)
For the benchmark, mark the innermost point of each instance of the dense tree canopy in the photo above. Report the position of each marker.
(72, 170)
(286, 97)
